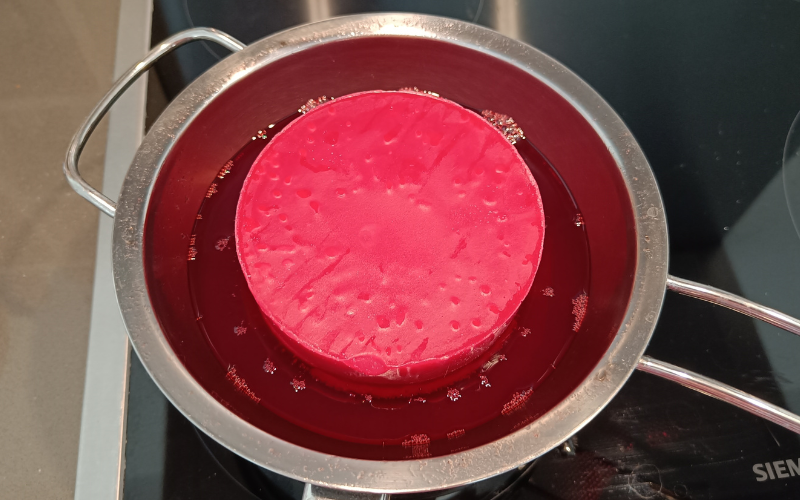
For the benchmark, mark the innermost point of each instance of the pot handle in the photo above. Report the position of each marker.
(711, 387)
(733, 302)
(74, 178)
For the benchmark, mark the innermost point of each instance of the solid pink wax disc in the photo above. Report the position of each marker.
(390, 236)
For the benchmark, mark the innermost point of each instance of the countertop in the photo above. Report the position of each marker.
(57, 62)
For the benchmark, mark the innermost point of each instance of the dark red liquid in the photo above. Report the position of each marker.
(436, 423)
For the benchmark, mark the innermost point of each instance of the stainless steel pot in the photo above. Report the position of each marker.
(585, 139)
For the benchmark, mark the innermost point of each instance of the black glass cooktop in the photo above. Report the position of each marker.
(710, 90)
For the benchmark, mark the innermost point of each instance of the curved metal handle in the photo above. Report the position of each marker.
(711, 387)
(733, 302)
(723, 392)
(74, 178)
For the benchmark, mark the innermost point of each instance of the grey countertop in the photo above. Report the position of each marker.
(57, 60)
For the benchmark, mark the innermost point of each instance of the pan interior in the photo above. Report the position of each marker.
(471, 78)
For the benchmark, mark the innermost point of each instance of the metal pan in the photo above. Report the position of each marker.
(594, 153)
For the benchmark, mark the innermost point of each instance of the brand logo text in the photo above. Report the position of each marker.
(778, 469)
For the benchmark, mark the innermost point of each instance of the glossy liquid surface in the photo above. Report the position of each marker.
(260, 367)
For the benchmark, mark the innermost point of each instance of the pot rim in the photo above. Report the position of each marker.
(406, 476)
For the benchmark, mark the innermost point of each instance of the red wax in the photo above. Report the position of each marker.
(389, 236)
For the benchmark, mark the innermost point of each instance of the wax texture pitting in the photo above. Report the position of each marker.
(389, 236)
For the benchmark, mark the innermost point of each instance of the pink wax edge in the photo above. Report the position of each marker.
(415, 373)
